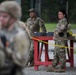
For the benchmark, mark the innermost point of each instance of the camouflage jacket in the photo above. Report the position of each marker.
(23, 26)
(61, 28)
(19, 45)
(34, 25)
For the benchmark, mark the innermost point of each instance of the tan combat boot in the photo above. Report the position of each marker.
(59, 70)
(50, 69)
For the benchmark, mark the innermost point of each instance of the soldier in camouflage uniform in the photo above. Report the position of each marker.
(17, 48)
(59, 52)
(34, 24)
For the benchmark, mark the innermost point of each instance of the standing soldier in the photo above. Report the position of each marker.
(34, 24)
(17, 48)
(60, 34)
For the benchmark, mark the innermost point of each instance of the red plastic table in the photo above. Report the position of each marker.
(37, 49)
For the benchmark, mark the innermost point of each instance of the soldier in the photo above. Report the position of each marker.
(34, 24)
(60, 52)
(17, 48)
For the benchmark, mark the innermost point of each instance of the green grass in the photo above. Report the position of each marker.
(74, 52)
(73, 26)
(51, 26)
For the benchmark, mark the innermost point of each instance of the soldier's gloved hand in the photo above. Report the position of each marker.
(4, 40)
(61, 34)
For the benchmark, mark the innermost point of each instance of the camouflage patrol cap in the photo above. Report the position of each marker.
(32, 10)
(11, 7)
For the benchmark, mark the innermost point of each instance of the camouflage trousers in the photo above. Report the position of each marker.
(59, 54)
(2, 59)
(31, 54)
(14, 69)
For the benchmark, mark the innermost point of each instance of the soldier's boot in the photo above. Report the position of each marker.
(60, 70)
(50, 69)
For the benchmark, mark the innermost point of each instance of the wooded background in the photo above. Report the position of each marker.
(49, 9)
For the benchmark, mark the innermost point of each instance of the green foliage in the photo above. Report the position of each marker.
(1, 1)
(49, 9)
(25, 4)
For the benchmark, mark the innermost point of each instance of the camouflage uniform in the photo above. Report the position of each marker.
(34, 25)
(60, 53)
(17, 51)
(22, 26)
(19, 45)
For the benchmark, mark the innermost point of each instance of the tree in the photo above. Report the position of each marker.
(25, 4)
(49, 9)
